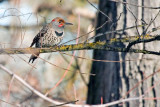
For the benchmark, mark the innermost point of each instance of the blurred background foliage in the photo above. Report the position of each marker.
(20, 21)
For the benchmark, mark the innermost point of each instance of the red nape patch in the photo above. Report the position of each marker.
(53, 20)
(60, 25)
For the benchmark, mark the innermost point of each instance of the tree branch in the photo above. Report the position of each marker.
(101, 45)
(88, 46)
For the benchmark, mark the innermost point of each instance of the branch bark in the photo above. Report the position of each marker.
(82, 46)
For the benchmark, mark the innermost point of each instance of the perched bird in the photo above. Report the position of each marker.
(50, 35)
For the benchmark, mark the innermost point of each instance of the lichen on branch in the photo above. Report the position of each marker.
(101, 45)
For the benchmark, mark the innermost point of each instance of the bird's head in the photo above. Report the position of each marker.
(59, 22)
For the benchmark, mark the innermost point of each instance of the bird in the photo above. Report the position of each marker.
(50, 35)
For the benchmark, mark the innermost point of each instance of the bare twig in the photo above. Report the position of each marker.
(62, 67)
(99, 10)
(137, 41)
(28, 86)
(9, 88)
(86, 33)
(136, 19)
(115, 31)
(151, 23)
(135, 4)
(15, 105)
(96, 60)
(140, 82)
(64, 104)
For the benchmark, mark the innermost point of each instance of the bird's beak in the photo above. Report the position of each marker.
(66, 23)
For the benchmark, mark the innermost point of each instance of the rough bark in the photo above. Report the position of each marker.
(106, 82)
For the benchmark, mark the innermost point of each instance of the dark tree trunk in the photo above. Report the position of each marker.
(106, 82)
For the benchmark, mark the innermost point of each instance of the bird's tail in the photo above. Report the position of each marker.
(34, 56)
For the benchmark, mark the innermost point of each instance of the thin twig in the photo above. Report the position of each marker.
(9, 89)
(115, 31)
(151, 75)
(96, 60)
(99, 10)
(135, 4)
(15, 105)
(136, 20)
(151, 23)
(65, 103)
(28, 86)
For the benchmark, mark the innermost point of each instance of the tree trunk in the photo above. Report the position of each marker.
(106, 82)
(114, 80)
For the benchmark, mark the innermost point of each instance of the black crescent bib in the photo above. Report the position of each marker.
(58, 34)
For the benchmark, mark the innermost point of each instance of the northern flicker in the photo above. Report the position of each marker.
(50, 35)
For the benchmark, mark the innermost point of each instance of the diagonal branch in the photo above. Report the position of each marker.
(28, 86)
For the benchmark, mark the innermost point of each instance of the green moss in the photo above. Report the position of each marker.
(78, 46)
